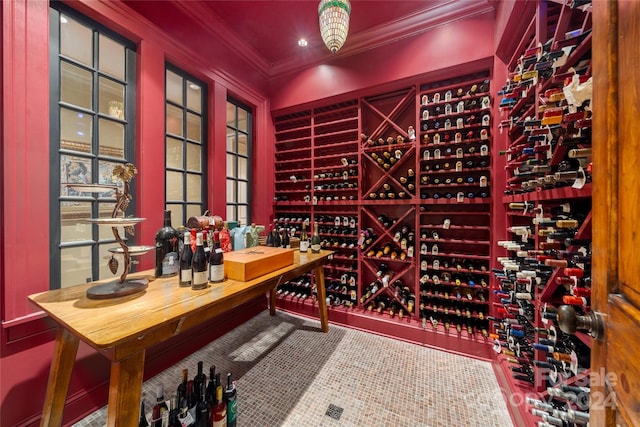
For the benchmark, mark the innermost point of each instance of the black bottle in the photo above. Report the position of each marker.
(167, 241)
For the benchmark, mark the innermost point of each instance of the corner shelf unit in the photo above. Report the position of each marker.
(547, 198)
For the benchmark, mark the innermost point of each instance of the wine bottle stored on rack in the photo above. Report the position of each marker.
(167, 257)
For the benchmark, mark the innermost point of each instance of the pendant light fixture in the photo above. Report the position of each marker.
(334, 22)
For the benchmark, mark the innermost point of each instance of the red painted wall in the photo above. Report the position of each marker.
(461, 42)
(26, 336)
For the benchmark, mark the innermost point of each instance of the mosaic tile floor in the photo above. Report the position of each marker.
(289, 373)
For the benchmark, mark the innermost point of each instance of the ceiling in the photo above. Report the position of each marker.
(267, 31)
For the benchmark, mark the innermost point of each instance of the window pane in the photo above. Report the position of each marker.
(76, 40)
(74, 170)
(194, 157)
(174, 153)
(194, 188)
(243, 216)
(174, 186)
(105, 176)
(231, 212)
(176, 215)
(243, 120)
(194, 127)
(194, 97)
(174, 120)
(242, 192)
(73, 228)
(111, 57)
(111, 96)
(231, 165)
(231, 115)
(242, 168)
(174, 87)
(75, 85)
(105, 210)
(75, 130)
(111, 138)
(242, 144)
(104, 272)
(75, 266)
(194, 210)
(231, 140)
(231, 191)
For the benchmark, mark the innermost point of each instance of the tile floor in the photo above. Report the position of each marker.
(289, 373)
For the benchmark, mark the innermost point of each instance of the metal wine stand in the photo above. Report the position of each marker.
(122, 286)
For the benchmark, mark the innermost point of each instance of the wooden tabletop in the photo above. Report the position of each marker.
(121, 326)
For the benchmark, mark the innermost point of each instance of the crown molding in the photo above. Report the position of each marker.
(393, 31)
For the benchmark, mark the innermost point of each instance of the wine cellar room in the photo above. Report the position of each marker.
(320, 213)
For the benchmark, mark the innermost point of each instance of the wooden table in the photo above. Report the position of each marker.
(123, 328)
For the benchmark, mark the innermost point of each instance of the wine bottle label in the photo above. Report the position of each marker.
(304, 245)
(315, 248)
(199, 280)
(216, 272)
(170, 264)
(232, 412)
(185, 276)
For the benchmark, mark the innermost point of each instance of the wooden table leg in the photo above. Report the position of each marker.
(272, 301)
(125, 390)
(322, 298)
(64, 357)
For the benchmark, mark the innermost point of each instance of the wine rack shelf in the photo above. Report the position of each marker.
(365, 160)
(547, 198)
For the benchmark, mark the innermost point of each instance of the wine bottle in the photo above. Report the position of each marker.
(199, 380)
(174, 411)
(211, 386)
(315, 240)
(181, 391)
(304, 238)
(186, 272)
(185, 417)
(216, 260)
(202, 409)
(199, 265)
(143, 416)
(230, 396)
(219, 410)
(160, 409)
(167, 257)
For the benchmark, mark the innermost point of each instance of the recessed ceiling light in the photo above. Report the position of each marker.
(194, 86)
(63, 20)
(302, 42)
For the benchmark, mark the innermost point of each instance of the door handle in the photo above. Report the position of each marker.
(569, 322)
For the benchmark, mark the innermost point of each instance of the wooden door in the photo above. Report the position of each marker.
(615, 361)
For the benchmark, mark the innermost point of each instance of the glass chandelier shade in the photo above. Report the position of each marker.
(334, 22)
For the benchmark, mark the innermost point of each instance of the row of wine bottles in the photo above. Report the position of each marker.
(438, 318)
(463, 91)
(195, 402)
(471, 105)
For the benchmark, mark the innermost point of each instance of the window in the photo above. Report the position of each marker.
(239, 141)
(185, 140)
(92, 128)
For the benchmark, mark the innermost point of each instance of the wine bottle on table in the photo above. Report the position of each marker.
(186, 271)
(174, 411)
(315, 240)
(185, 417)
(230, 396)
(167, 256)
(304, 238)
(199, 266)
(216, 260)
